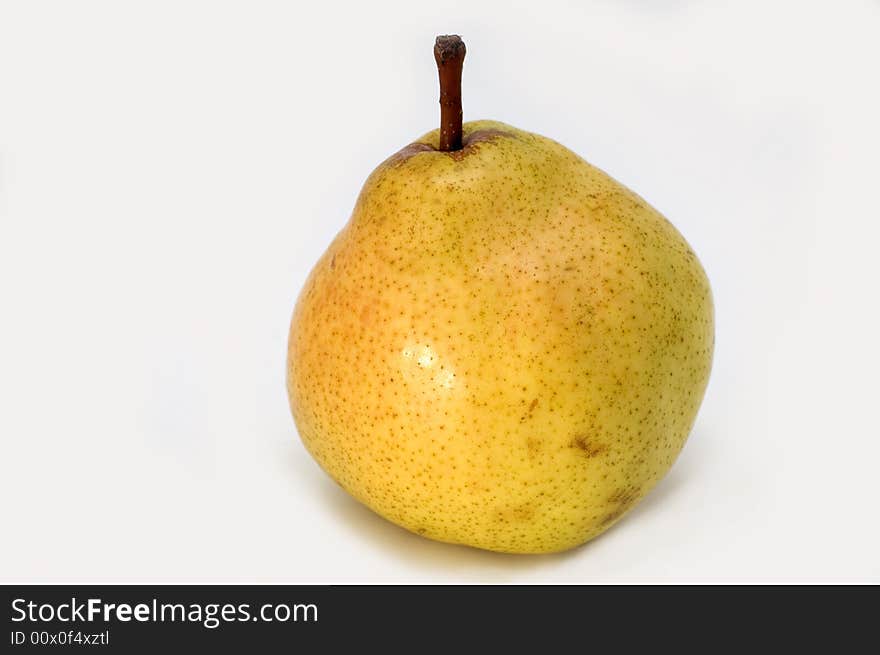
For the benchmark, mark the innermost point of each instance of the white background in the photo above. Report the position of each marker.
(169, 172)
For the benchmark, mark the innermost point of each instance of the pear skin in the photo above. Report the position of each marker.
(504, 347)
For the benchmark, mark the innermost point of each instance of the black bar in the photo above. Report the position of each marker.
(329, 618)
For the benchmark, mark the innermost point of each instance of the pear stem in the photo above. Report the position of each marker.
(449, 53)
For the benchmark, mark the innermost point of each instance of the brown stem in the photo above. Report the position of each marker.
(449, 53)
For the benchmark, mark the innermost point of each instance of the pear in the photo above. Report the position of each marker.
(504, 347)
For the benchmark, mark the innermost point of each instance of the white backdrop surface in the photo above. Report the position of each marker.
(169, 172)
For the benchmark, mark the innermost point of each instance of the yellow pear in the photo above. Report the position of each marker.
(504, 347)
